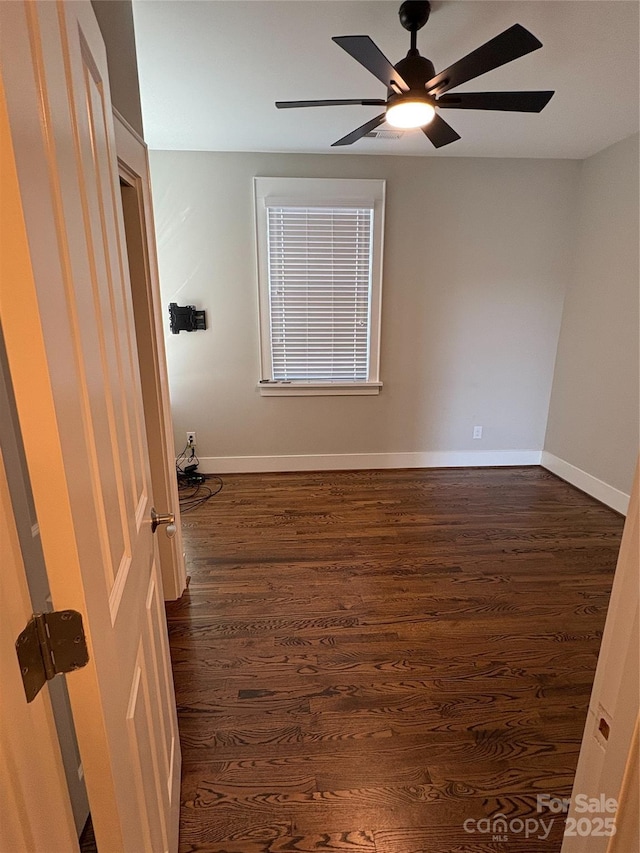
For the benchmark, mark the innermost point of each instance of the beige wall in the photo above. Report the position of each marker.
(115, 18)
(594, 412)
(475, 264)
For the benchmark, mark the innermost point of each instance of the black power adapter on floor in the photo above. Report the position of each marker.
(190, 478)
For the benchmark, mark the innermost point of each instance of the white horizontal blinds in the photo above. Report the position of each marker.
(319, 261)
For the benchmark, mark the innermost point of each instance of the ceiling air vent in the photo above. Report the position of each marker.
(385, 134)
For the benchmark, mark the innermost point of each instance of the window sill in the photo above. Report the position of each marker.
(273, 388)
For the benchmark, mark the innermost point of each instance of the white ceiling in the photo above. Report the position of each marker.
(210, 71)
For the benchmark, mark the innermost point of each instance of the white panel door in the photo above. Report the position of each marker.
(71, 349)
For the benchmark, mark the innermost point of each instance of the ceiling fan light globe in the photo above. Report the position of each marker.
(410, 114)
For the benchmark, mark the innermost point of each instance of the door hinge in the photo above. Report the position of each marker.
(50, 644)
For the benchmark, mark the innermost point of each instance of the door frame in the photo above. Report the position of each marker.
(605, 762)
(133, 168)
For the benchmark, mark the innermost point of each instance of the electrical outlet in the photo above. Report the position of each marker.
(477, 432)
(191, 438)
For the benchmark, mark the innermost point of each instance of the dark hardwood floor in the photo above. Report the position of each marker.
(366, 660)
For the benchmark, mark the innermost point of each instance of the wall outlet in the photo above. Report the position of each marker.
(191, 438)
(477, 432)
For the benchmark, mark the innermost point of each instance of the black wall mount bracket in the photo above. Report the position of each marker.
(186, 318)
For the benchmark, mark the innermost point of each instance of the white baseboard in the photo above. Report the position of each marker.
(586, 482)
(366, 461)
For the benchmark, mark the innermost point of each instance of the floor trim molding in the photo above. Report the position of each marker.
(598, 489)
(366, 461)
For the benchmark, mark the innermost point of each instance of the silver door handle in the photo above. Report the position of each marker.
(167, 518)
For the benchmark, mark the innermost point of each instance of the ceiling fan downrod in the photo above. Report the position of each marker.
(413, 15)
(414, 68)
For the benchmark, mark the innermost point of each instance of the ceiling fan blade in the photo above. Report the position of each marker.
(509, 45)
(439, 132)
(287, 105)
(367, 53)
(352, 137)
(519, 102)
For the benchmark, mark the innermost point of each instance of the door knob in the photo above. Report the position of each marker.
(158, 518)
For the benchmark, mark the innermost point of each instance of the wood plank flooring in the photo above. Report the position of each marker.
(366, 660)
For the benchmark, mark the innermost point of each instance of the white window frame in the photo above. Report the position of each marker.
(318, 192)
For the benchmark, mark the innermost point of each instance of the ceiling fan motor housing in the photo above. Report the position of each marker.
(415, 70)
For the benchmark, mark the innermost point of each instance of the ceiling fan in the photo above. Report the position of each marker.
(415, 91)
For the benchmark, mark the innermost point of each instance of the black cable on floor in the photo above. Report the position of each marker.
(188, 481)
(199, 493)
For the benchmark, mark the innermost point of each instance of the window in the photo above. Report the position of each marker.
(319, 266)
